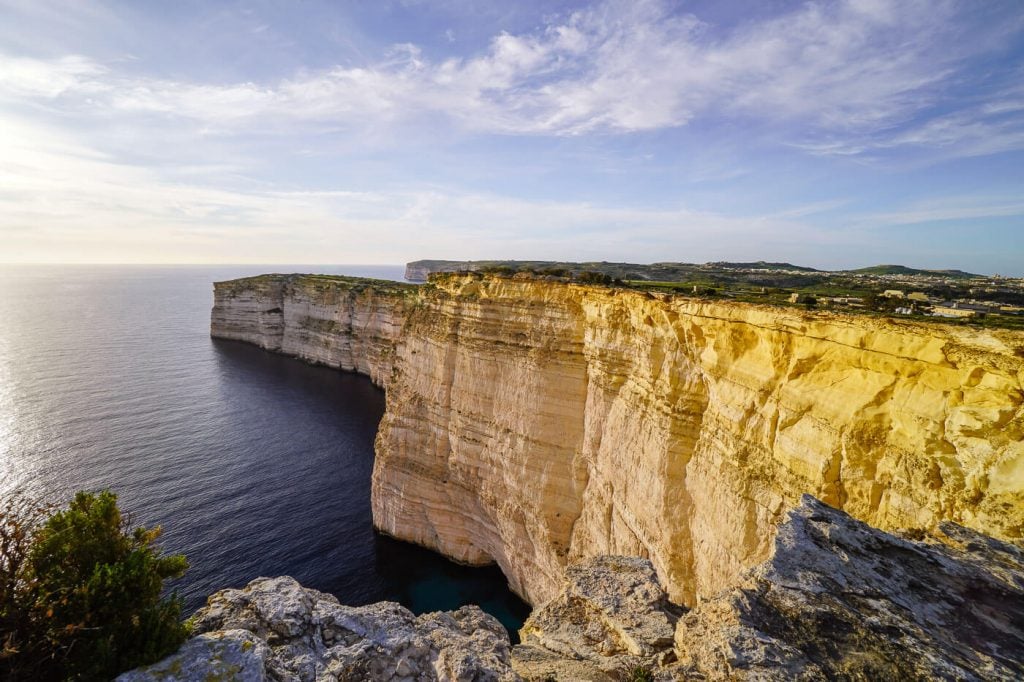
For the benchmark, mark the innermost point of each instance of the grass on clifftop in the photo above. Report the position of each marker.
(383, 286)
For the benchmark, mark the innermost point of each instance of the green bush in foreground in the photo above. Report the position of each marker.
(83, 593)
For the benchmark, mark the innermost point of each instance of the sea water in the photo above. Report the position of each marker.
(253, 463)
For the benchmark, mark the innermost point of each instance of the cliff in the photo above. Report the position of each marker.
(839, 600)
(345, 322)
(536, 423)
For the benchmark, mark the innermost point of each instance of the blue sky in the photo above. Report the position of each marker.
(831, 134)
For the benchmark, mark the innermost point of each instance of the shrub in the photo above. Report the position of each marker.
(593, 277)
(639, 673)
(808, 300)
(88, 596)
(20, 519)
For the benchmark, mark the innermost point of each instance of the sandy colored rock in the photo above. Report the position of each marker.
(535, 424)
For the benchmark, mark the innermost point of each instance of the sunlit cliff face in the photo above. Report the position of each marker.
(533, 423)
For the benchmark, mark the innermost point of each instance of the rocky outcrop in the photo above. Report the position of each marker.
(420, 270)
(841, 600)
(836, 600)
(536, 424)
(276, 630)
(612, 616)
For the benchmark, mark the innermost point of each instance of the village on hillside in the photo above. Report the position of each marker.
(894, 290)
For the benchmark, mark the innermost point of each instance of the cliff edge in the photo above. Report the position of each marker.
(537, 424)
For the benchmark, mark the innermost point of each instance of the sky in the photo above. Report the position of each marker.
(831, 134)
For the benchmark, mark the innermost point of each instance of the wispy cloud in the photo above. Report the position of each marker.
(964, 208)
(56, 191)
(629, 130)
(850, 69)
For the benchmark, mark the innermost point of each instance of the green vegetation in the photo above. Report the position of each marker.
(80, 591)
(639, 673)
(904, 270)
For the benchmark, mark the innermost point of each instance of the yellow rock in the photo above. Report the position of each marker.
(535, 423)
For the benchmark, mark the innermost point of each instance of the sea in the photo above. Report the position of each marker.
(254, 464)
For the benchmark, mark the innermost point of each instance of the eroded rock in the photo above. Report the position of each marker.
(841, 600)
(611, 615)
(837, 600)
(274, 629)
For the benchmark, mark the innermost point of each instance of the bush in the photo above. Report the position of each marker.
(808, 301)
(593, 277)
(639, 673)
(20, 519)
(86, 597)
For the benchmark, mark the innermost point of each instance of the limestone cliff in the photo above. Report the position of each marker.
(537, 423)
(341, 322)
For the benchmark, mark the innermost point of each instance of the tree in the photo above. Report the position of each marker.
(90, 592)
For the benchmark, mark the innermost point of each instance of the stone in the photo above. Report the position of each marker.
(275, 629)
(611, 615)
(223, 655)
(841, 600)
(836, 600)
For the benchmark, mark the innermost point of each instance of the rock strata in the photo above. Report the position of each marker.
(278, 631)
(536, 424)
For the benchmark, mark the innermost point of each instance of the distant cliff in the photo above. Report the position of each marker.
(537, 423)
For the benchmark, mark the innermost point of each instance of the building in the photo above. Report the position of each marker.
(893, 293)
(958, 309)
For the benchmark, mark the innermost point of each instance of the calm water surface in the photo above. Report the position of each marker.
(254, 464)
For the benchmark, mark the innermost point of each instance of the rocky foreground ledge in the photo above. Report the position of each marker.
(838, 599)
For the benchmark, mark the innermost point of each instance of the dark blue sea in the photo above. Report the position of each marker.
(254, 464)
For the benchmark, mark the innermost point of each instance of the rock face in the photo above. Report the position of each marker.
(841, 600)
(276, 630)
(611, 616)
(420, 270)
(336, 321)
(536, 424)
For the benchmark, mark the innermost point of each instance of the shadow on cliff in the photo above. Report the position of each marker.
(301, 499)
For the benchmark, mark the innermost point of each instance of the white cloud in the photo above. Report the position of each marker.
(850, 68)
(63, 201)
